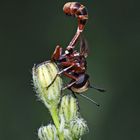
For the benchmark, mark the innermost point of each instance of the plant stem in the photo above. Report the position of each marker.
(55, 118)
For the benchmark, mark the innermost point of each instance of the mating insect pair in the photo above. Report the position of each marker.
(72, 63)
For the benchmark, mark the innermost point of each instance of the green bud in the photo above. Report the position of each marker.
(67, 134)
(78, 127)
(64, 129)
(47, 132)
(68, 108)
(43, 75)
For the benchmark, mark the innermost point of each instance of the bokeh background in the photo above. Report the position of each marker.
(29, 32)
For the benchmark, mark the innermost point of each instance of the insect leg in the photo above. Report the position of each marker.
(89, 99)
(70, 76)
(65, 69)
(74, 40)
(69, 85)
(57, 53)
(73, 94)
(97, 88)
(59, 74)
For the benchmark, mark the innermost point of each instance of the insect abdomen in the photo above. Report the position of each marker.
(75, 9)
(78, 10)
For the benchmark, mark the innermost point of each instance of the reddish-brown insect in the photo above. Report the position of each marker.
(72, 63)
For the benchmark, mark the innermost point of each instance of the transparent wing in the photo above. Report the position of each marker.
(83, 47)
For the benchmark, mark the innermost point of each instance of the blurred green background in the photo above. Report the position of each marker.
(29, 32)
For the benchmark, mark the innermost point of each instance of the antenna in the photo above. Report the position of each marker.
(89, 99)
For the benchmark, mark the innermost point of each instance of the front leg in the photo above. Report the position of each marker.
(63, 71)
(69, 85)
(76, 67)
(57, 53)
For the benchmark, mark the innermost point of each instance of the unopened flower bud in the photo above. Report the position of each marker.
(68, 108)
(78, 127)
(47, 132)
(67, 134)
(47, 85)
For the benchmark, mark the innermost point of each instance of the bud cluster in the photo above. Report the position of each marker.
(71, 119)
(68, 123)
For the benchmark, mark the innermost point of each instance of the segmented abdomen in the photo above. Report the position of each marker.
(75, 9)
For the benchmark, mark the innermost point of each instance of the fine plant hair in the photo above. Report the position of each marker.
(67, 121)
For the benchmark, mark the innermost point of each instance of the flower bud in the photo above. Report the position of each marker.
(47, 132)
(47, 87)
(78, 127)
(64, 128)
(68, 108)
(67, 134)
